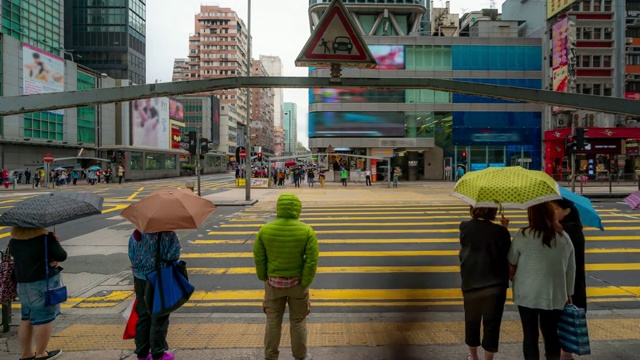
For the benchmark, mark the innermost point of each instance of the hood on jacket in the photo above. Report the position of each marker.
(288, 207)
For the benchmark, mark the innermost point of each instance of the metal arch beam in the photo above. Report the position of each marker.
(11, 105)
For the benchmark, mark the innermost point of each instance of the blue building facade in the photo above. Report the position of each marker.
(429, 130)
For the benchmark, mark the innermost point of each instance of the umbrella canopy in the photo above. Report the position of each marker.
(290, 163)
(588, 215)
(52, 209)
(168, 210)
(511, 187)
(633, 200)
(94, 168)
(59, 168)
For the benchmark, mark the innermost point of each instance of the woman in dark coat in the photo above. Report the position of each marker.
(569, 217)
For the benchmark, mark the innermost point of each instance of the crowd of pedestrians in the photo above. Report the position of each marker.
(62, 176)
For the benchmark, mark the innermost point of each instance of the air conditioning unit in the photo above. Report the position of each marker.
(561, 122)
(628, 41)
(608, 85)
(629, 77)
(587, 86)
(608, 30)
(588, 29)
(591, 120)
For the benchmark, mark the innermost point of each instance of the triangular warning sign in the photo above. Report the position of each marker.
(336, 40)
(329, 149)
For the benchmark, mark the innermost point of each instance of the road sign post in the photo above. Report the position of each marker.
(48, 159)
(336, 42)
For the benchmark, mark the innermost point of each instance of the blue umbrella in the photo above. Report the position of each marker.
(588, 215)
(94, 168)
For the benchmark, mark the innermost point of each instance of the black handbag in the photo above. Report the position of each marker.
(59, 294)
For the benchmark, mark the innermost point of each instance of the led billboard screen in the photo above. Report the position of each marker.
(356, 124)
(388, 57)
(330, 95)
(150, 122)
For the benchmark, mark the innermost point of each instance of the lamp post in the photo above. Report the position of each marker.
(247, 137)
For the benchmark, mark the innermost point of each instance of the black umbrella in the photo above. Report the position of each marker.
(50, 209)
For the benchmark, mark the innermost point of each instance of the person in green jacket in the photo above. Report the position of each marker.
(343, 176)
(286, 256)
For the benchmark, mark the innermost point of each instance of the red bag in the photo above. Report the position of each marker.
(130, 329)
(8, 285)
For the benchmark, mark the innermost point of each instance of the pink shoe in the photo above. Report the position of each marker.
(167, 356)
(149, 357)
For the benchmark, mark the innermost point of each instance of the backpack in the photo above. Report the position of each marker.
(8, 285)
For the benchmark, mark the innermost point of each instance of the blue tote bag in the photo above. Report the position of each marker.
(573, 332)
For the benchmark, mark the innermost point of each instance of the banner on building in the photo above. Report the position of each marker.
(556, 6)
(42, 72)
(215, 120)
(560, 55)
(150, 123)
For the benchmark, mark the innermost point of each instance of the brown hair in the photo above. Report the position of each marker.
(483, 213)
(25, 233)
(542, 221)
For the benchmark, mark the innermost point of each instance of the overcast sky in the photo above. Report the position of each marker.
(278, 27)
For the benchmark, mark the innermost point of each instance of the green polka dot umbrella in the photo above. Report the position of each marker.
(510, 187)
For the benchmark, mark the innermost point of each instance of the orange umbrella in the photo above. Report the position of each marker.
(168, 210)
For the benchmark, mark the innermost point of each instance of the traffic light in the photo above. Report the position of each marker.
(570, 144)
(204, 145)
(464, 155)
(259, 156)
(580, 138)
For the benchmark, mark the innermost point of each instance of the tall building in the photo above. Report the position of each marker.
(37, 23)
(290, 126)
(180, 69)
(422, 131)
(274, 67)
(261, 112)
(107, 36)
(218, 48)
(278, 141)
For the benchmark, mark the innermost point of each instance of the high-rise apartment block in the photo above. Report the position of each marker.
(107, 36)
(290, 125)
(261, 112)
(218, 48)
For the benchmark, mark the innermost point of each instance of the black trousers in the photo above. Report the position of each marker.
(485, 307)
(151, 333)
(368, 180)
(548, 322)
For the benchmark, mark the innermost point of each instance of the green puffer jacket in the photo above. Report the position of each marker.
(286, 246)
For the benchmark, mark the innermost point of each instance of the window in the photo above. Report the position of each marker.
(596, 61)
(87, 114)
(597, 89)
(586, 61)
(136, 161)
(44, 125)
(606, 61)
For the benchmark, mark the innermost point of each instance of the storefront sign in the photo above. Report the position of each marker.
(601, 146)
(382, 152)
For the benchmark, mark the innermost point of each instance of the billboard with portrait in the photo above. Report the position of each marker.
(356, 124)
(215, 120)
(176, 110)
(42, 72)
(150, 122)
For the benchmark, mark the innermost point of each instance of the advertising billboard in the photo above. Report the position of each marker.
(560, 55)
(555, 6)
(150, 122)
(356, 124)
(176, 136)
(215, 120)
(359, 95)
(176, 110)
(388, 57)
(42, 72)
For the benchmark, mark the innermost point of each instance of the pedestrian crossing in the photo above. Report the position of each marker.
(391, 257)
(380, 258)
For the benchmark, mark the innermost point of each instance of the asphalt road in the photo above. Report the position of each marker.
(379, 257)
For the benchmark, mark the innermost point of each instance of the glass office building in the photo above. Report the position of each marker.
(108, 36)
(37, 23)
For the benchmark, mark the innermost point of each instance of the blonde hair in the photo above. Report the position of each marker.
(24, 233)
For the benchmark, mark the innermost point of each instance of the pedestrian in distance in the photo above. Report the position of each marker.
(27, 246)
(542, 266)
(285, 252)
(367, 177)
(568, 216)
(120, 173)
(484, 269)
(151, 332)
(343, 176)
(27, 176)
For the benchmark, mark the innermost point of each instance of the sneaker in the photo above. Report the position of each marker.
(167, 356)
(53, 354)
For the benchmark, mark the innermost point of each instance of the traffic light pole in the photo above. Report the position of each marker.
(573, 160)
(198, 152)
(247, 158)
